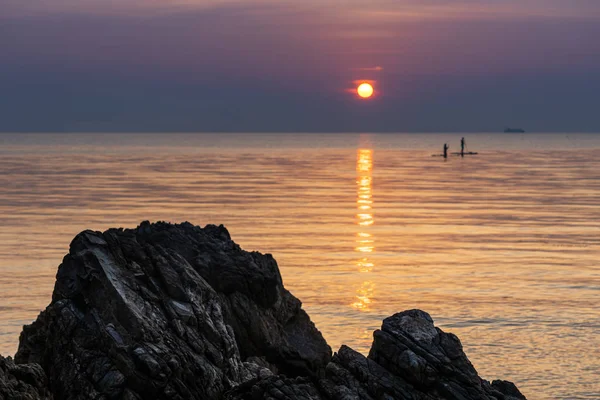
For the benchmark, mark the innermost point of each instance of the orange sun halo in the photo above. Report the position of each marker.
(365, 90)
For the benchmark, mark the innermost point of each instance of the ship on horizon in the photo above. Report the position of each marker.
(514, 130)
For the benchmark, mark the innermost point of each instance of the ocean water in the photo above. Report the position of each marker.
(502, 248)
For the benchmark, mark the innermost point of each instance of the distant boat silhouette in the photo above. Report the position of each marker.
(513, 130)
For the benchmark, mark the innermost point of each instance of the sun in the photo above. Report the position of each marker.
(365, 90)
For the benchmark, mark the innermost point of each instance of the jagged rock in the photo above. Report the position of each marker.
(410, 347)
(180, 312)
(22, 382)
(410, 359)
(168, 312)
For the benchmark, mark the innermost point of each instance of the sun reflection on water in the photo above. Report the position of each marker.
(365, 242)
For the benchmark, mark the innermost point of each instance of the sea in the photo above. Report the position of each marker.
(502, 248)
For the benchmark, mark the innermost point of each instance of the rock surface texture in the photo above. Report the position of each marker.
(181, 312)
(22, 382)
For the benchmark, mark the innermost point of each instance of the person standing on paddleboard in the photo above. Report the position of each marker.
(446, 147)
(462, 147)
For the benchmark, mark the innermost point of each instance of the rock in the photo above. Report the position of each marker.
(508, 389)
(410, 359)
(433, 362)
(168, 312)
(22, 382)
(181, 312)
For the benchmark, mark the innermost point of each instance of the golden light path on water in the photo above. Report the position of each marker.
(365, 242)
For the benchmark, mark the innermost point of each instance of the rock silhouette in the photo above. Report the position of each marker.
(409, 359)
(182, 312)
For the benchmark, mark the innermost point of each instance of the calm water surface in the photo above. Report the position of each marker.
(501, 249)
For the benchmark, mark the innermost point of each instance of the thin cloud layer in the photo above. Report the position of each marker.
(381, 9)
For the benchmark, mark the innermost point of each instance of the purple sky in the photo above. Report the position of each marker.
(279, 65)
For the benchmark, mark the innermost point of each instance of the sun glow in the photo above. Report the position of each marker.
(365, 90)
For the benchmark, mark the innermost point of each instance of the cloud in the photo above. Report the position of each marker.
(396, 11)
(357, 10)
(368, 69)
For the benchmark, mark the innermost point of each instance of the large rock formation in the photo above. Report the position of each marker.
(181, 312)
(166, 312)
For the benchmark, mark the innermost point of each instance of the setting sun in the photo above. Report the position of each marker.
(365, 90)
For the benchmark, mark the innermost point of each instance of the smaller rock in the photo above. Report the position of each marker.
(22, 382)
(508, 389)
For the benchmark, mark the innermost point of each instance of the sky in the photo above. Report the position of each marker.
(293, 66)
